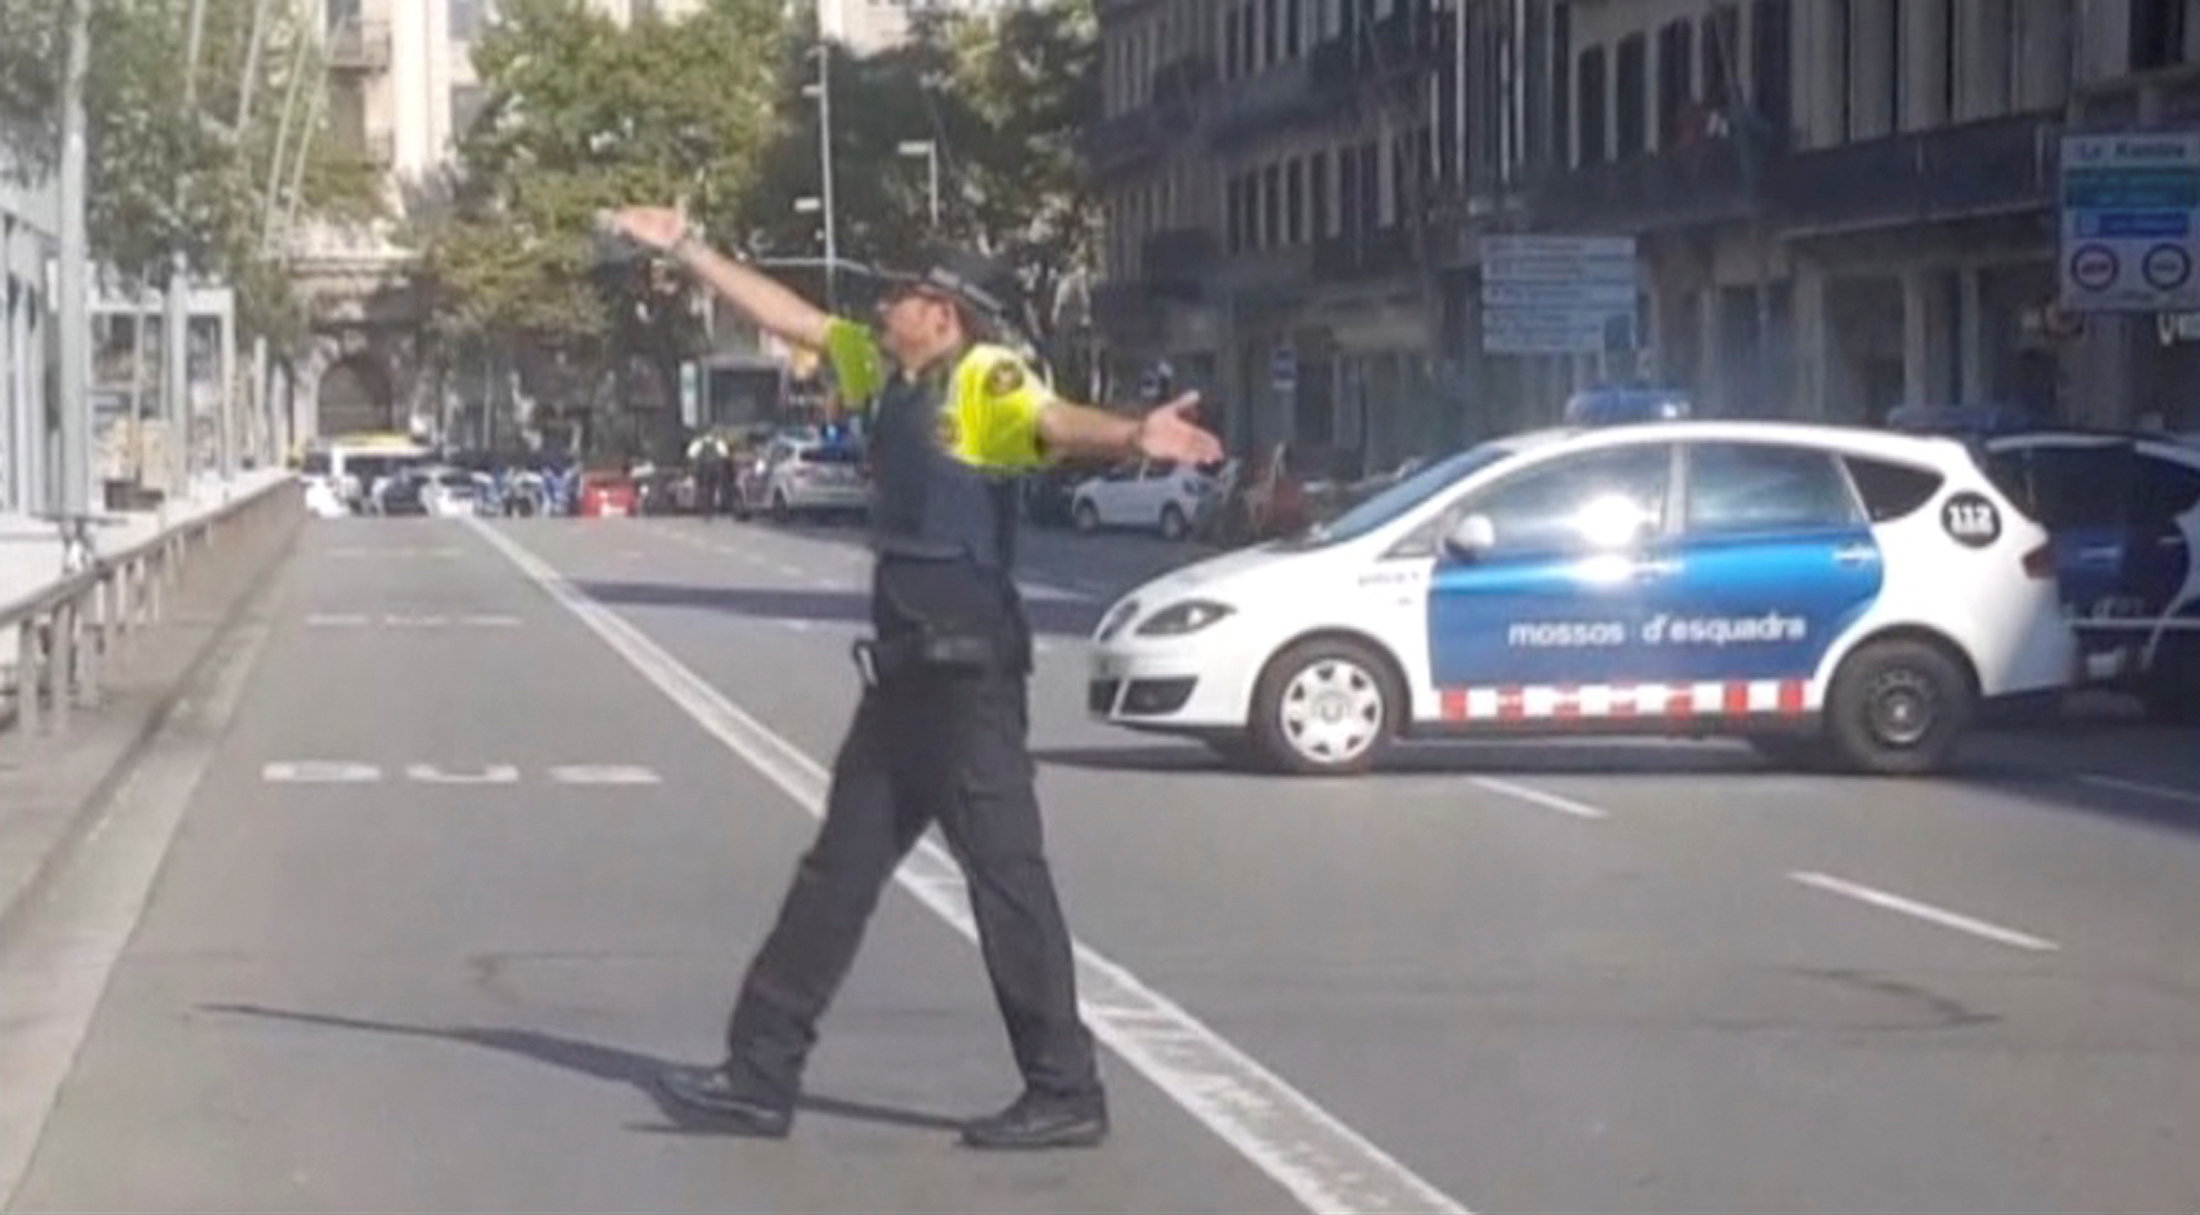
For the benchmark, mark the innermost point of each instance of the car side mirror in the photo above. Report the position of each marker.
(1470, 537)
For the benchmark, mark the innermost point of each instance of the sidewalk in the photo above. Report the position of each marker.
(30, 548)
(50, 784)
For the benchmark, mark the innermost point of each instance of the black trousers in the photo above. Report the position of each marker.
(931, 745)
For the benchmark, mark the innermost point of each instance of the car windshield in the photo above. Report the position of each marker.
(1396, 500)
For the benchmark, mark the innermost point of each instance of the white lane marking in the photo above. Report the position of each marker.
(796, 623)
(1925, 911)
(2164, 792)
(603, 774)
(1549, 801)
(1325, 1164)
(414, 622)
(490, 622)
(489, 774)
(790, 569)
(335, 620)
(319, 772)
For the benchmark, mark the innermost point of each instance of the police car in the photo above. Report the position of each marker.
(1828, 593)
(2124, 512)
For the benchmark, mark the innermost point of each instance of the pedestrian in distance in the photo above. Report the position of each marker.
(940, 734)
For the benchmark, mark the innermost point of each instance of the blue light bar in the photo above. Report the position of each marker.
(1956, 420)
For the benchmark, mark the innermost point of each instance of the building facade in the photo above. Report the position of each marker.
(1837, 206)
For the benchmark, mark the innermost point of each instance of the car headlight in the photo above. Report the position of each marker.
(1188, 617)
(1120, 615)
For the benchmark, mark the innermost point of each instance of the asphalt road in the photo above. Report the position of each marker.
(476, 826)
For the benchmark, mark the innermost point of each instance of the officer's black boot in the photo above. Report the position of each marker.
(711, 1090)
(1040, 1120)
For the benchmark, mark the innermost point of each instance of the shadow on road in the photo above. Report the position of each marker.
(2006, 766)
(592, 1059)
(1051, 617)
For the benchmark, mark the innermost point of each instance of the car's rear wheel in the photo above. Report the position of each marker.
(1086, 517)
(1898, 708)
(1173, 523)
(1328, 706)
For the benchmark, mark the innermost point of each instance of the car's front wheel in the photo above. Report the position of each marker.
(1327, 706)
(1898, 708)
(1086, 517)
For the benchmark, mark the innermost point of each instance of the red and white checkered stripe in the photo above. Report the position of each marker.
(1605, 701)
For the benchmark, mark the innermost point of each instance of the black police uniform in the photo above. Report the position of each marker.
(940, 736)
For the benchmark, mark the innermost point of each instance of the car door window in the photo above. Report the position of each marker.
(1891, 491)
(2082, 487)
(1599, 501)
(1737, 489)
(2161, 491)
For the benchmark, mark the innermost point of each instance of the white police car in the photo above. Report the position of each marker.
(1823, 591)
(2124, 514)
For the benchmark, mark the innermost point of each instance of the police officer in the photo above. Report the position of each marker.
(939, 735)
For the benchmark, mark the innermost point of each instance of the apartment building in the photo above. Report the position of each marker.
(1262, 161)
(1838, 205)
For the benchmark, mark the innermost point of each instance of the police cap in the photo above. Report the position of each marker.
(984, 286)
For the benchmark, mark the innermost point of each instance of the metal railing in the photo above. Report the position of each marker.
(75, 635)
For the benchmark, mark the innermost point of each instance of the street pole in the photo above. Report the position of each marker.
(825, 159)
(932, 167)
(72, 498)
(282, 140)
(175, 352)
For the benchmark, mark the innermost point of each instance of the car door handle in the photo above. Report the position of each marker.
(2101, 552)
(1855, 554)
(2170, 541)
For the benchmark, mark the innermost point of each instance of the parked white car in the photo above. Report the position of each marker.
(1150, 494)
(800, 476)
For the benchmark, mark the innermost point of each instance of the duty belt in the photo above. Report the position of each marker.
(883, 659)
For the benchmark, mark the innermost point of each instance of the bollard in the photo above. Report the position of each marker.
(61, 667)
(30, 677)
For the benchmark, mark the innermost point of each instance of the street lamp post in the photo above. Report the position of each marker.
(930, 151)
(822, 89)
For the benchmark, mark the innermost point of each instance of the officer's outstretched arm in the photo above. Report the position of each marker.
(1166, 433)
(766, 303)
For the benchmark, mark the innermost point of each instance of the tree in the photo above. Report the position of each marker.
(140, 143)
(1001, 94)
(582, 115)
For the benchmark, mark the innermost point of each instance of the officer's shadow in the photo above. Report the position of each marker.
(592, 1059)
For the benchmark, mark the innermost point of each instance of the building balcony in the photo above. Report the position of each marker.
(1379, 254)
(1117, 143)
(1126, 312)
(1707, 183)
(1179, 261)
(1183, 79)
(1251, 107)
(356, 45)
(1976, 168)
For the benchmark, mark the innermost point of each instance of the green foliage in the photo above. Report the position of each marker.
(1002, 95)
(581, 115)
(141, 142)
